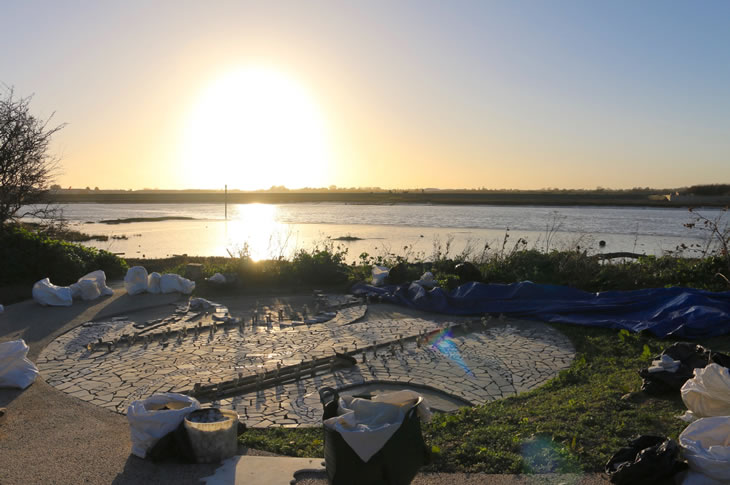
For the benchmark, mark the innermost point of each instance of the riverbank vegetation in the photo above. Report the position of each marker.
(329, 264)
(28, 256)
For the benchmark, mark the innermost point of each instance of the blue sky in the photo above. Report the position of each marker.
(505, 94)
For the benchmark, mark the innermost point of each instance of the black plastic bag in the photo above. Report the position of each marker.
(691, 356)
(397, 463)
(173, 447)
(647, 459)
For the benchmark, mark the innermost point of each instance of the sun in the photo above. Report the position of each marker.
(254, 128)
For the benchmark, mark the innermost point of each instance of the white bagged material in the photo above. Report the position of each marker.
(706, 447)
(136, 280)
(708, 392)
(91, 286)
(427, 280)
(85, 289)
(366, 425)
(693, 478)
(203, 304)
(170, 283)
(148, 422)
(15, 368)
(688, 417)
(380, 273)
(217, 278)
(664, 364)
(153, 283)
(48, 294)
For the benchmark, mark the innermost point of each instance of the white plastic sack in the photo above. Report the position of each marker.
(15, 368)
(48, 294)
(708, 392)
(148, 422)
(170, 283)
(427, 280)
(366, 425)
(217, 278)
(379, 275)
(91, 286)
(153, 283)
(136, 280)
(706, 447)
(693, 478)
(202, 304)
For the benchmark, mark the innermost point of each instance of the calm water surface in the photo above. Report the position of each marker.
(274, 230)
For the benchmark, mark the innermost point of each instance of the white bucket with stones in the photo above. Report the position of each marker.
(214, 442)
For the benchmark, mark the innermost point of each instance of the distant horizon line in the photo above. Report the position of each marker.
(335, 189)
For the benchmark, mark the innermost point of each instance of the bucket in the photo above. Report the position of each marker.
(213, 442)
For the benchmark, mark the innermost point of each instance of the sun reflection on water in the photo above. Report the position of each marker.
(254, 229)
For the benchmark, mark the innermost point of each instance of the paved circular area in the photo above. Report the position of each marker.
(269, 371)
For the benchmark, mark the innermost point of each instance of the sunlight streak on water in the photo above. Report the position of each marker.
(255, 232)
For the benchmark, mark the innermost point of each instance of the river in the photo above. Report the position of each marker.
(274, 230)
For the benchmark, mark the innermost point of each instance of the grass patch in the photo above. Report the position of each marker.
(303, 442)
(573, 423)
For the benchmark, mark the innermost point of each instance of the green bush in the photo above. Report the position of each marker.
(321, 266)
(28, 257)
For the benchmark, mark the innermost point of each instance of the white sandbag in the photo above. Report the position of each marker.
(217, 278)
(48, 294)
(380, 273)
(91, 286)
(197, 304)
(148, 422)
(15, 368)
(690, 477)
(708, 392)
(86, 290)
(706, 447)
(99, 277)
(427, 280)
(153, 283)
(170, 283)
(136, 280)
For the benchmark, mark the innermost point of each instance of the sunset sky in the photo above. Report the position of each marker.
(396, 94)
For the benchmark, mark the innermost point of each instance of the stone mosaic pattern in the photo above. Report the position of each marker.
(499, 361)
(472, 361)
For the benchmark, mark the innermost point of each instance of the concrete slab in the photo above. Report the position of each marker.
(262, 470)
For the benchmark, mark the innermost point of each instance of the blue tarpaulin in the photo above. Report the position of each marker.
(677, 312)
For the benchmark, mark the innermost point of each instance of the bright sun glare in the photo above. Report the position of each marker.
(254, 128)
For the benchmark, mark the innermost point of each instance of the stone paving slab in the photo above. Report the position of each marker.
(473, 362)
(263, 470)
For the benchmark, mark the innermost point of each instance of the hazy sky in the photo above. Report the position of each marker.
(508, 94)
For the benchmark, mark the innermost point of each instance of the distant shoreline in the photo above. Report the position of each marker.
(145, 219)
(385, 198)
